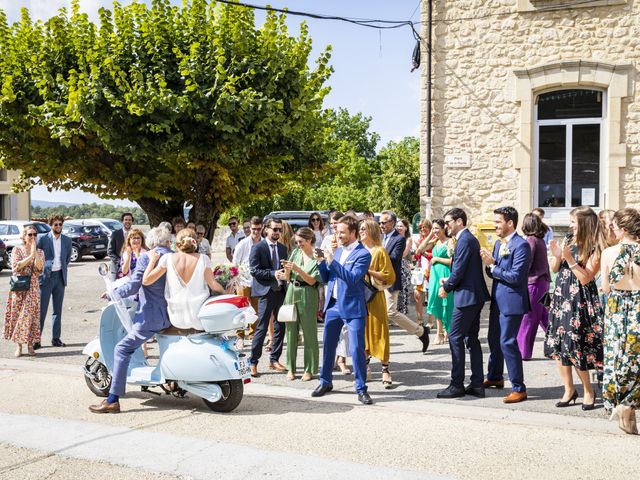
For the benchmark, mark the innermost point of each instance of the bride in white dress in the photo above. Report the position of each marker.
(189, 277)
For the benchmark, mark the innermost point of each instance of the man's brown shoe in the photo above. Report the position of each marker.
(493, 384)
(105, 407)
(515, 397)
(277, 366)
(254, 371)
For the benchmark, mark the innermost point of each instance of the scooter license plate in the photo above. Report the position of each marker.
(243, 368)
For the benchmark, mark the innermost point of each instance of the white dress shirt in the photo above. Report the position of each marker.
(346, 251)
(57, 253)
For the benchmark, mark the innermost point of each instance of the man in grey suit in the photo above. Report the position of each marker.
(53, 281)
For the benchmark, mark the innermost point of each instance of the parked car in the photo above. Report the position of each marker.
(298, 218)
(4, 257)
(11, 230)
(86, 239)
(109, 223)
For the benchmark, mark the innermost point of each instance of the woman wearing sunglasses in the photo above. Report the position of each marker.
(22, 318)
(317, 225)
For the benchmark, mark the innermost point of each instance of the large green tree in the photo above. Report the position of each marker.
(162, 105)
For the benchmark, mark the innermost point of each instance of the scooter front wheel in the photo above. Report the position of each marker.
(232, 391)
(97, 377)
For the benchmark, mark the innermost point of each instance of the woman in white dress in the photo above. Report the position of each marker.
(189, 278)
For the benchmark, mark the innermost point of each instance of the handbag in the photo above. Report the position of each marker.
(288, 313)
(380, 286)
(369, 291)
(417, 276)
(21, 283)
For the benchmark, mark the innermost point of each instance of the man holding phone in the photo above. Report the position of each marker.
(343, 271)
(269, 285)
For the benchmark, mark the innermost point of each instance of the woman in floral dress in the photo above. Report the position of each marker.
(22, 318)
(404, 229)
(574, 336)
(621, 280)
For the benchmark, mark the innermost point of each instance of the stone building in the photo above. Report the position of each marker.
(534, 103)
(13, 206)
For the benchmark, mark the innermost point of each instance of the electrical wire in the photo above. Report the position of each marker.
(363, 22)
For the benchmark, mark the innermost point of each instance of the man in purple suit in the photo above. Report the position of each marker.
(508, 266)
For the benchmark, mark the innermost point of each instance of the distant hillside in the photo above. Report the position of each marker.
(46, 204)
(88, 210)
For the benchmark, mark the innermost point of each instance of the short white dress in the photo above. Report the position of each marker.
(185, 299)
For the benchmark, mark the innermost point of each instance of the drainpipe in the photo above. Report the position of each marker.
(428, 213)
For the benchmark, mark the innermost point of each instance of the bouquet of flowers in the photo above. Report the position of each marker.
(225, 274)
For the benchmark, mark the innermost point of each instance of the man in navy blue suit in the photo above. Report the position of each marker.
(509, 269)
(269, 286)
(467, 281)
(344, 271)
(53, 281)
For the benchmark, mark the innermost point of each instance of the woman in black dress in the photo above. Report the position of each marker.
(574, 337)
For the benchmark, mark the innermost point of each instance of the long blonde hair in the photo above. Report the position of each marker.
(590, 238)
(373, 232)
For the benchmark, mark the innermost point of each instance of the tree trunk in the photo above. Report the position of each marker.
(159, 211)
(203, 211)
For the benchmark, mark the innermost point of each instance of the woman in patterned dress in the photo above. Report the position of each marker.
(621, 280)
(22, 318)
(574, 336)
(404, 229)
(422, 258)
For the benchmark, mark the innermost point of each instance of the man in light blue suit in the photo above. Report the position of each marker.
(343, 271)
(150, 318)
(509, 269)
(53, 281)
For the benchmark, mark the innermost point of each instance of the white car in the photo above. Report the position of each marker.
(11, 231)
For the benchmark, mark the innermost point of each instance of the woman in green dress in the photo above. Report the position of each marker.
(304, 279)
(440, 308)
(621, 280)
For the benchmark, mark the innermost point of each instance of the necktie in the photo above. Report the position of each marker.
(274, 257)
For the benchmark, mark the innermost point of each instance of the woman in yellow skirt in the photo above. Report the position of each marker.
(381, 275)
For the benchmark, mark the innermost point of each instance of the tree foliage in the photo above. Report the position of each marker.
(162, 105)
(356, 177)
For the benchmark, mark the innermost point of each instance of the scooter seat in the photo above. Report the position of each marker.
(182, 332)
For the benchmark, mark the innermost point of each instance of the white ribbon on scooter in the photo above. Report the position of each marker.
(118, 301)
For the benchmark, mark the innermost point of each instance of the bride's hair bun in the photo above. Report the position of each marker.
(186, 240)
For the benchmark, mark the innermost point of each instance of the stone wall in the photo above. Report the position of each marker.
(479, 45)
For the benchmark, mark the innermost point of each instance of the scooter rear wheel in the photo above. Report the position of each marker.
(97, 377)
(232, 391)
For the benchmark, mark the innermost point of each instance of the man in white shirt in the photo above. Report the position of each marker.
(234, 237)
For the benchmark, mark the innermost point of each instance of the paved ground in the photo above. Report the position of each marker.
(408, 430)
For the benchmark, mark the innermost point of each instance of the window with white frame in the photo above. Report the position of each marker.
(568, 148)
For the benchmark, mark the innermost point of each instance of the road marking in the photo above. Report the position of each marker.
(176, 455)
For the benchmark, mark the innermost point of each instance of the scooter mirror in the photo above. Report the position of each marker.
(103, 269)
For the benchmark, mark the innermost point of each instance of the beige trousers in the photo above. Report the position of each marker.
(398, 318)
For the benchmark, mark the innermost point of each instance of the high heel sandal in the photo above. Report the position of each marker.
(626, 419)
(573, 399)
(440, 338)
(386, 378)
(343, 368)
(18, 352)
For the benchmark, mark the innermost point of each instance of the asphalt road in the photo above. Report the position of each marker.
(407, 433)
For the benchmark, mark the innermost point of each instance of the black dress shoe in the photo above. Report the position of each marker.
(424, 338)
(58, 343)
(475, 391)
(321, 390)
(364, 398)
(451, 392)
(37, 346)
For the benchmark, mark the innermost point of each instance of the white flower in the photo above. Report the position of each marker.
(504, 250)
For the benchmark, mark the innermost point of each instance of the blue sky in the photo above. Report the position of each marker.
(372, 68)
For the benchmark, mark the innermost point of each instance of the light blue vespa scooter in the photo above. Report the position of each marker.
(205, 364)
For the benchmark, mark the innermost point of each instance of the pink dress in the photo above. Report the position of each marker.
(22, 318)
